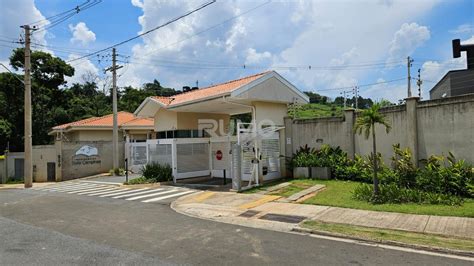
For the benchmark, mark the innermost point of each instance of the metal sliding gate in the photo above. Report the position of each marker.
(195, 157)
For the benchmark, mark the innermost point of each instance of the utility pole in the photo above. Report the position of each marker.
(409, 61)
(28, 163)
(345, 97)
(419, 82)
(113, 69)
(356, 94)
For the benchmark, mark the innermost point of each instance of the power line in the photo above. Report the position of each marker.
(212, 27)
(57, 19)
(147, 32)
(365, 85)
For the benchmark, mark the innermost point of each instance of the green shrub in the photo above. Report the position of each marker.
(404, 168)
(391, 193)
(117, 171)
(304, 157)
(446, 175)
(138, 180)
(157, 172)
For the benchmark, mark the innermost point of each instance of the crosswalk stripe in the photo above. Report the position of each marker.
(109, 189)
(54, 186)
(108, 192)
(125, 192)
(138, 193)
(152, 195)
(168, 196)
(73, 188)
(87, 190)
(63, 188)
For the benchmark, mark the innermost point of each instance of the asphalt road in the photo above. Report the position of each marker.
(48, 228)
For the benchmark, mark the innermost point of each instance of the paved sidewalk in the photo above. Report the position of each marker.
(266, 211)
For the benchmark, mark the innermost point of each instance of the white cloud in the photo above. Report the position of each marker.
(81, 33)
(253, 57)
(361, 34)
(137, 3)
(82, 69)
(14, 14)
(283, 33)
(433, 71)
(463, 28)
(390, 91)
(406, 40)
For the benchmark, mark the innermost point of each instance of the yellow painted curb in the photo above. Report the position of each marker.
(259, 202)
(204, 196)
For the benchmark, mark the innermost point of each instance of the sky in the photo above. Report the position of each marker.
(323, 46)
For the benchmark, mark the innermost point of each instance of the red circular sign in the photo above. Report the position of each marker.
(219, 155)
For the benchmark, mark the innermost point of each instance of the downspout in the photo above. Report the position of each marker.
(254, 120)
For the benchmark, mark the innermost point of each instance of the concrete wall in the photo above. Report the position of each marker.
(42, 155)
(74, 165)
(11, 162)
(427, 128)
(447, 125)
(3, 176)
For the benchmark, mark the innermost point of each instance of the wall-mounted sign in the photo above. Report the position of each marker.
(87, 151)
(86, 155)
(219, 155)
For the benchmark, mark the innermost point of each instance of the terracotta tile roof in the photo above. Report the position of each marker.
(139, 122)
(123, 118)
(210, 91)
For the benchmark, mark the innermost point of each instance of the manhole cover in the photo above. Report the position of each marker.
(293, 219)
(249, 213)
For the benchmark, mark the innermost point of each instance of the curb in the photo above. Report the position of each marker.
(386, 242)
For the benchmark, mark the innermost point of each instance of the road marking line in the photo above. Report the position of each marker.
(92, 192)
(259, 202)
(75, 188)
(152, 195)
(125, 192)
(138, 193)
(102, 182)
(57, 186)
(87, 190)
(69, 188)
(202, 197)
(108, 192)
(168, 196)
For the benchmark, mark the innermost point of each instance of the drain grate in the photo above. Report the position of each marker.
(293, 219)
(249, 213)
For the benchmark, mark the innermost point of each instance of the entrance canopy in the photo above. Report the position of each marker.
(232, 97)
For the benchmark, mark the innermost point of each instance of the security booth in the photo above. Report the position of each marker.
(195, 135)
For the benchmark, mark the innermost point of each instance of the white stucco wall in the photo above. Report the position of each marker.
(275, 112)
(166, 120)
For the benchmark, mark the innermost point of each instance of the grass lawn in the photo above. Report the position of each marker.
(339, 194)
(314, 110)
(392, 235)
(287, 191)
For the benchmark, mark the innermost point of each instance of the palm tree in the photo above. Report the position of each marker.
(366, 122)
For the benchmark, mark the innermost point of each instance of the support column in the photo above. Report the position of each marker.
(349, 120)
(412, 127)
(59, 160)
(288, 139)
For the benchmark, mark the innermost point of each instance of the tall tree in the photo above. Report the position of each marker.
(366, 123)
(48, 73)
